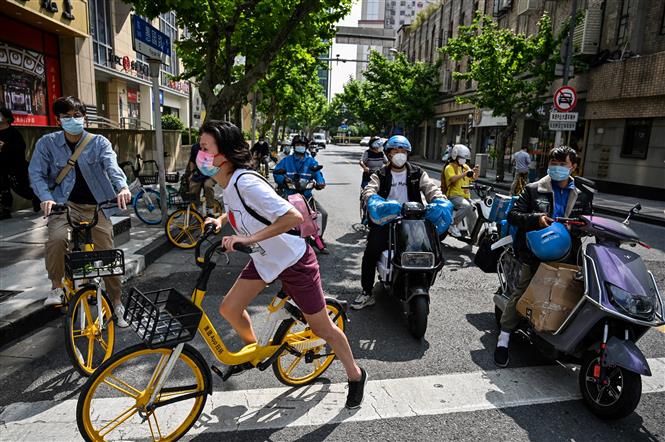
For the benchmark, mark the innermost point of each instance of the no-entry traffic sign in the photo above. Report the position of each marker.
(565, 99)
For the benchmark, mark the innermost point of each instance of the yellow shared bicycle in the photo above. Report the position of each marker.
(88, 324)
(156, 390)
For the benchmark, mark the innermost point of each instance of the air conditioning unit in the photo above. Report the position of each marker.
(528, 6)
(586, 39)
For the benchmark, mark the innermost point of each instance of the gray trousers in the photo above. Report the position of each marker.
(510, 318)
(463, 208)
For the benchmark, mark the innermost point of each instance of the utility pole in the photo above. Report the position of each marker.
(254, 119)
(567, 61)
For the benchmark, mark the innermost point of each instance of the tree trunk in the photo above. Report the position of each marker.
(501, 148)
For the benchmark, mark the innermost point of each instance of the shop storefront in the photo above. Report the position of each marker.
(29, 72)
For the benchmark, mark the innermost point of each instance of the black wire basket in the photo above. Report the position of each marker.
(181, 200)
(173, 177)
(162, 317)
(86, 265)
(148, 179)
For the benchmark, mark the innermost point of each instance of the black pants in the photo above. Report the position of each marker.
(377, 242)
(19, 184)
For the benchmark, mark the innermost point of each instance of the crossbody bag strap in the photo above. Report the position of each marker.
(248, 209)
(71, 162)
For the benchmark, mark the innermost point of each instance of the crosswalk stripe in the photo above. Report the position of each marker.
(321, 403)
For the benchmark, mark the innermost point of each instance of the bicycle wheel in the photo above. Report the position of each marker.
(312, 355)
(112, 403)
(89, 338)
(147, 208)
(184, 228)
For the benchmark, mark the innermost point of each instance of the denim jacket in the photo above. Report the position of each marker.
(98, 164)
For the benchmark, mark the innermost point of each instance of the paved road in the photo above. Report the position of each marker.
(443, 387)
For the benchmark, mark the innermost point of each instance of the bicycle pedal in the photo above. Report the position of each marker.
(231, 371)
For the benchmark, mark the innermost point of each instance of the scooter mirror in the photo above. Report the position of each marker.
(279, 172)
(316, 168)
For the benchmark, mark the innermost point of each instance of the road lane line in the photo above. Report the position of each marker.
(321, 404)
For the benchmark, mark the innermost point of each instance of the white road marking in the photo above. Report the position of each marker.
(321, 404)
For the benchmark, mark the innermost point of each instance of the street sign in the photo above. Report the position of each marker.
(149, 41)
(565, 99)
(564, 116)
(563, 125)
(558, 70)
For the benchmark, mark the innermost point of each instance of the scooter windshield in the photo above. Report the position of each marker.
(415, 235)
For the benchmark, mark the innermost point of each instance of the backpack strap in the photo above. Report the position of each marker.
(249, 210)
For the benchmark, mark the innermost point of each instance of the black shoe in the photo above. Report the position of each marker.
(356, 391)
(501, 357)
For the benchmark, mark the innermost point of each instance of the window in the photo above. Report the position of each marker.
(167, 24)
(100, 30)
(622, 22)
(402, 3)
(401, 12)
(636, 138)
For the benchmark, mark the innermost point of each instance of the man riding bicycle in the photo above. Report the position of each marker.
(372, 160)
(261, 153)
(94, 177)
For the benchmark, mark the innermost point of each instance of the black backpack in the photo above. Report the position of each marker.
(487, 259)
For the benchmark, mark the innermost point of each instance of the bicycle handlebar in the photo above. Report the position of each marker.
(60, 209)
(208, 231)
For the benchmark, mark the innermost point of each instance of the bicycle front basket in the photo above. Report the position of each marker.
(85, 265)
(148, 179)
(162, 317)
(172, 177)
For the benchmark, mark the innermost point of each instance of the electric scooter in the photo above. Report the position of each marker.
(621, 302)
(411, 264)
(301, 185)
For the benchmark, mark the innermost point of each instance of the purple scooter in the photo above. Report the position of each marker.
(621, 303)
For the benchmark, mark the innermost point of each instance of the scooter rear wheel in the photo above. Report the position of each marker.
(615, 400)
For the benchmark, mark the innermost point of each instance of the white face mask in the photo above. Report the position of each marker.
(399, 159)
(461, 160)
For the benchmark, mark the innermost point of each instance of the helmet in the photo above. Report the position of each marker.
(376, 142)
(397, 141)
(552, 243)
(460, 150)
(298, 141)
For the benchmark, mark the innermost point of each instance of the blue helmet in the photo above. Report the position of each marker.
(397, 141)
(552, 243)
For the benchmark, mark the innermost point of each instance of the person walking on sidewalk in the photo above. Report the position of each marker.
(522, 159)
(94, 177)
(13, 166)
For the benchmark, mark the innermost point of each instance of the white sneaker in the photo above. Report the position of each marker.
(120, 316)
(54, 297)
(454, 231)
(362, 301)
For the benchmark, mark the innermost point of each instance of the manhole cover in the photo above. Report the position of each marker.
(6, 294)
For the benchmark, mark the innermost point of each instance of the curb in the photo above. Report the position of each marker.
(647, 219)
(36, 314)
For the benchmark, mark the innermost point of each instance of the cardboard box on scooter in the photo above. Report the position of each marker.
(551, 296)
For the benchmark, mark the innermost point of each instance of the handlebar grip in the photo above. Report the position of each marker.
(242, 248)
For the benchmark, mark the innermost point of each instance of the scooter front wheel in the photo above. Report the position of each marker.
(419, 310)
(614, 397)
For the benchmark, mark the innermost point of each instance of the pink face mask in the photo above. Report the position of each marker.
(204, 162)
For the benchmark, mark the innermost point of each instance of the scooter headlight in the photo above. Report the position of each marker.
(638, 305)
(417, 260)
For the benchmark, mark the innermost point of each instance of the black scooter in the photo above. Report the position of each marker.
(410, 265)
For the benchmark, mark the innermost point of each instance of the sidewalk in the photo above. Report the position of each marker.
(653, 212)
(23, 281)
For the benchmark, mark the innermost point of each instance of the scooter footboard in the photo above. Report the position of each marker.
(626, 354)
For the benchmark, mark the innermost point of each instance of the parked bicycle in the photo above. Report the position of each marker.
(164, 373)
(88, 323)
(184, 226)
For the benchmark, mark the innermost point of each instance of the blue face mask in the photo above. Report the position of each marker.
(300, 149)
(558, 173)
(73, 126)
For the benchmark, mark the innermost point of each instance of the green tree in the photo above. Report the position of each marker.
(394, 92)
(221, 31)
(513, 71)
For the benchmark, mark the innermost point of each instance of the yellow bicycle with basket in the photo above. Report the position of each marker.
(156, 390)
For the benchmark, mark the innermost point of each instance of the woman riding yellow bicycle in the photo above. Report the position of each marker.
(276, 254)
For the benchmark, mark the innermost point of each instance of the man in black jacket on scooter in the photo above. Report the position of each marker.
(553, 196)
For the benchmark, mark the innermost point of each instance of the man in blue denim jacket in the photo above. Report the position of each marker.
(96, 177)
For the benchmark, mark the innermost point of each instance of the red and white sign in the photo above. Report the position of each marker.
(565, 99)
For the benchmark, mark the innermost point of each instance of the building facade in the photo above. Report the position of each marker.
(620, 133)
(86, 52)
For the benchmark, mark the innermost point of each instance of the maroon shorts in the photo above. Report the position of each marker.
(301, 281)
